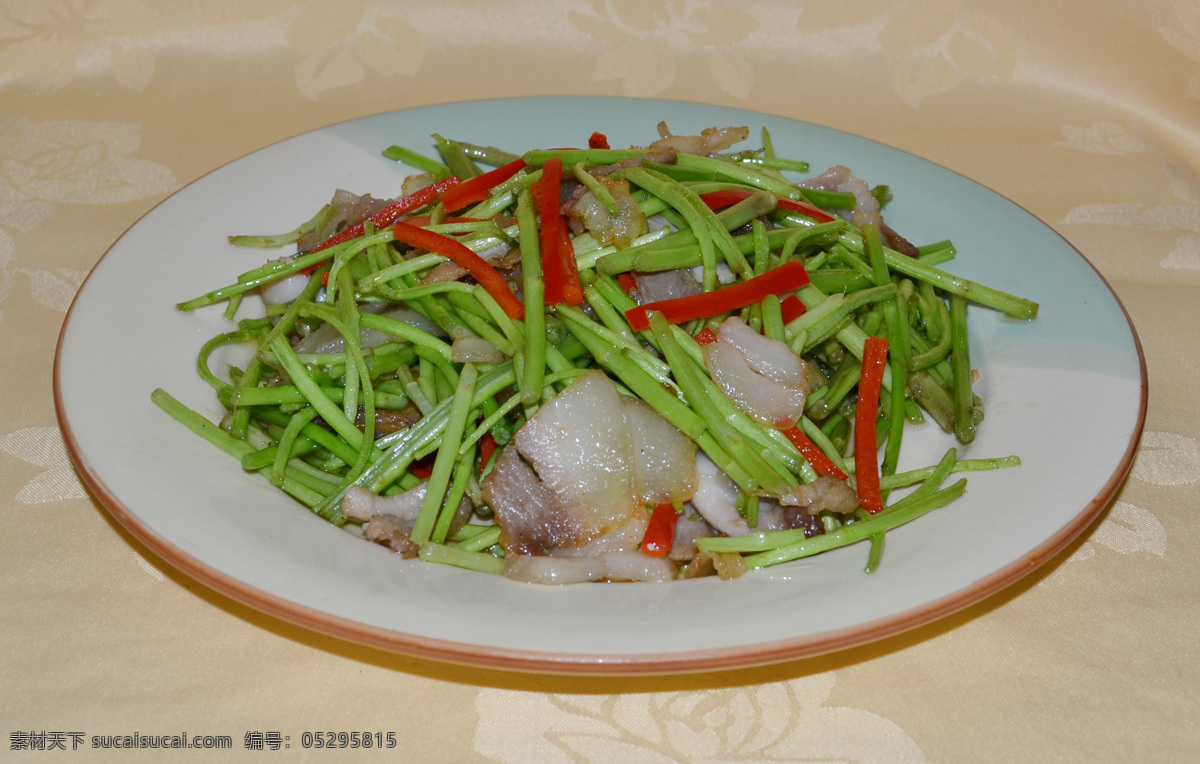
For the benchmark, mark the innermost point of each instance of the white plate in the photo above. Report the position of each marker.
(1066, 392)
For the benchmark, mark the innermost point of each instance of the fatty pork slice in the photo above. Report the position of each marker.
(531, 517)
(762, 376)
(866, 206)
(610, 566)
(663, 458)
(580, 447)
(579, 474)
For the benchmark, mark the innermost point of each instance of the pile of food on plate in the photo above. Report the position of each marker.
(597, 364)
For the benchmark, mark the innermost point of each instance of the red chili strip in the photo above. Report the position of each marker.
(791, 308)
(422, 468)
(487, 276)
(806, 209)
(391, 213)
(598, 141)
(866, 447)
(627, 282)
(660, 532)
(476, 189)
(559, 271)
(705, 337)
(821, 463)
(779, 280)
(487, 447)
(717, 200)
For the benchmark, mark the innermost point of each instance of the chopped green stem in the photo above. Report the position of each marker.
(279, 269)
(882, 522)
(612, 319)
(703, 221)
(284, 447)
(405, 446)
(791, 165)
(447, 455)
(224, 441)
(462, 474)
(534, 370)
(876, 553)
(229, 338)
(874, 250)
(825, 443)
(481, 541)
(598, 189)
(456, 159)
(407, 332)
(933, 398)
(825, 401)
(265, 457)
(570, 157)
(960, 361)
(828, 321)
(317, 434)
(489, 155)
(328, 410)
(741, 173)
(278, 396)
(910, 477)
(930, 485)
(935, 318)
(315, 223)
(413, 159)
(479, 562)
(632, 375)
(1017, 307)
(896, 319)
(416, 264)
(851, 336)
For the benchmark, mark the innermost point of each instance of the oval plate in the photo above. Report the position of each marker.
(1066, 392)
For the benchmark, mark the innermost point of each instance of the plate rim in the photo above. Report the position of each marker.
(623, 664)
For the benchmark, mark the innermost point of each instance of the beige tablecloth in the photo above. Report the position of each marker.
(1085, 113)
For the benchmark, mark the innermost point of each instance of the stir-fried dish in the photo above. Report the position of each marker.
(601, 364)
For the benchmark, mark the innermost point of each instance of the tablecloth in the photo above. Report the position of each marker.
(1085, 113)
